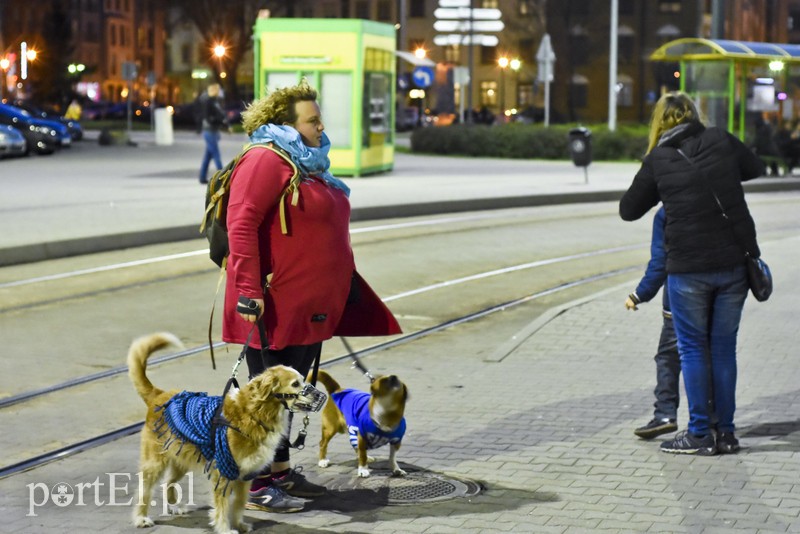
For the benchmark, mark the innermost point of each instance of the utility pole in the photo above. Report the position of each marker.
(612, 68)
(471, 55)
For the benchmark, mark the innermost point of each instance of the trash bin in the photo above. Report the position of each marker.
(580, 146)
(163, 124)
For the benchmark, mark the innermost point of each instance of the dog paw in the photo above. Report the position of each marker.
(142, 522)
(174, 509)
(363, 472)
(397, 472)
(324, 462)
(244, 527)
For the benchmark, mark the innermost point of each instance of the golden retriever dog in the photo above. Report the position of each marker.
(252, 424)
(371, 419)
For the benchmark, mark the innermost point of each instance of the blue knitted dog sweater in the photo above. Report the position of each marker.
(189, 417)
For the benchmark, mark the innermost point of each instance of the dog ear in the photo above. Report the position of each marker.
(262, 386)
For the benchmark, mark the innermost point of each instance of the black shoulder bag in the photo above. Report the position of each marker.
(759, 276)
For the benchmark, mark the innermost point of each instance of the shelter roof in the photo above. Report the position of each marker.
(698, 49)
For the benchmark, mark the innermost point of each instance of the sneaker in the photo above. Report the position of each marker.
(655, 428)
(296, 484)
(727, 443)
(273, 499)
(687, 443)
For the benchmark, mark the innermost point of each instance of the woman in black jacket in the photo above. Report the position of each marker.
(686, 165)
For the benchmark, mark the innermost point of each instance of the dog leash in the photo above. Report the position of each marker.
(357, 362)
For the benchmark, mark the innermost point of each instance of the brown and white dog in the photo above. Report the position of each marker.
(254, 424)
(371, 419)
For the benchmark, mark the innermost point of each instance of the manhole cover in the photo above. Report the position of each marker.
(414, 488)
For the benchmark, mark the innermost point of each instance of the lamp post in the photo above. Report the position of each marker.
(219, 52)
(5, 63)
(502, 62)
(515, 65)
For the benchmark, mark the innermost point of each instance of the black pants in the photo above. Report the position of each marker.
(299, 357)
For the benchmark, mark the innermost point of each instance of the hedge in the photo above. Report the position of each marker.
(528, 141)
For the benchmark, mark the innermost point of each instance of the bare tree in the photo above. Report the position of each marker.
(230, 24)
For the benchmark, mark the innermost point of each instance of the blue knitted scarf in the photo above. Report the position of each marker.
(310, 160)
(188, 416)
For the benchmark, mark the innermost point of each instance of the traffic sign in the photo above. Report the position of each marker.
(422, 77)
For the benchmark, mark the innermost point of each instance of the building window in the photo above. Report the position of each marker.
(626, 7)
(490, 4)
(186, 54)
(624, 91)
(525, 95)
(385, 10)
(452, 53)
(488, 55)
(625, 43)
(579, 45)
(525, 8)
(345, 9)
(669, 6)
(579, 91)
(416, 8)
(362, 10)
(488, 95)
(113, 29)
(527, 52)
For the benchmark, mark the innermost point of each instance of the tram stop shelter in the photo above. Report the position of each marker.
(727, 78)
(351, 64)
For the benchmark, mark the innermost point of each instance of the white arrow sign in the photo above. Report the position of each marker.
(465, 13)
(464, 26)
(460, 39)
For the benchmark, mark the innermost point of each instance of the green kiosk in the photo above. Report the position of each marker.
(351, 63)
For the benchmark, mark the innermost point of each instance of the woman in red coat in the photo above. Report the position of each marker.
(290, 260)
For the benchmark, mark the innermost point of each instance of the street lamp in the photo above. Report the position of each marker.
(219, 52)
(502, 62)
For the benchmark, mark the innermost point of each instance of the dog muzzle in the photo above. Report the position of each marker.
(310, 399)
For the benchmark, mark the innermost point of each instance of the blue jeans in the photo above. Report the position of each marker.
(668, 372)
(706, 310)
(212, 151)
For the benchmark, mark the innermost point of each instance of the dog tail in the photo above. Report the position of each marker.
(327, 380)
(140, 351)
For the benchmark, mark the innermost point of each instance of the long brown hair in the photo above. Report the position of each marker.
(672, 109)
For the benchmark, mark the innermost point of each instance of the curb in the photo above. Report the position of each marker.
(89, 245)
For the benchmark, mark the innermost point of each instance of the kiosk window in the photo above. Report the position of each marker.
(336, 90)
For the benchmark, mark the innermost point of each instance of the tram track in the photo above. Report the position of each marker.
(108, 373)
(108, 437)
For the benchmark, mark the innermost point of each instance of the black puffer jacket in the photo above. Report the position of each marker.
(698, 238)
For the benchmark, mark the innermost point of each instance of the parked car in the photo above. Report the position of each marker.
(43, 136)
(12, 142)
(74, 127)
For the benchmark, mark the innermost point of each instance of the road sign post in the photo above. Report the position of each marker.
(546, 57)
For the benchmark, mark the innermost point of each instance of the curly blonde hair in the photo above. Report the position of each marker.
(278, 107)
(672, 109)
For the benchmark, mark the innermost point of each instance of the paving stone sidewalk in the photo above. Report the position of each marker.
(547, 431)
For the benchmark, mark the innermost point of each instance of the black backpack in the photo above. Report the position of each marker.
(214, 225)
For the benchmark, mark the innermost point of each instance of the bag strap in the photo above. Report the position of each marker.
(717, 200)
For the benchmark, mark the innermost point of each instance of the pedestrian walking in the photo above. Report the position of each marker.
(213, 121)
(291, 262)
(692, 169)
(668, 363)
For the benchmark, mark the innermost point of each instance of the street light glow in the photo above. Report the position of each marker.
(420, 53)
(31, 54)
(515, 64)
(4, 63)
(219, 50)
(502, 62)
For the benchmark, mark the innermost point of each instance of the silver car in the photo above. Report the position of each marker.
(12, 142)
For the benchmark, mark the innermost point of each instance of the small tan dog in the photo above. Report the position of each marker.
(371, 419)
(252, 427)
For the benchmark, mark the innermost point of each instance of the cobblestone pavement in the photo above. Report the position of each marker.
(546, 429)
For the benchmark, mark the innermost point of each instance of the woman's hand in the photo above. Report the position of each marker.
(252, 314)
(630, 304)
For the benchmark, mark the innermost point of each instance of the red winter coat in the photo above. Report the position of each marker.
(311, 266)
